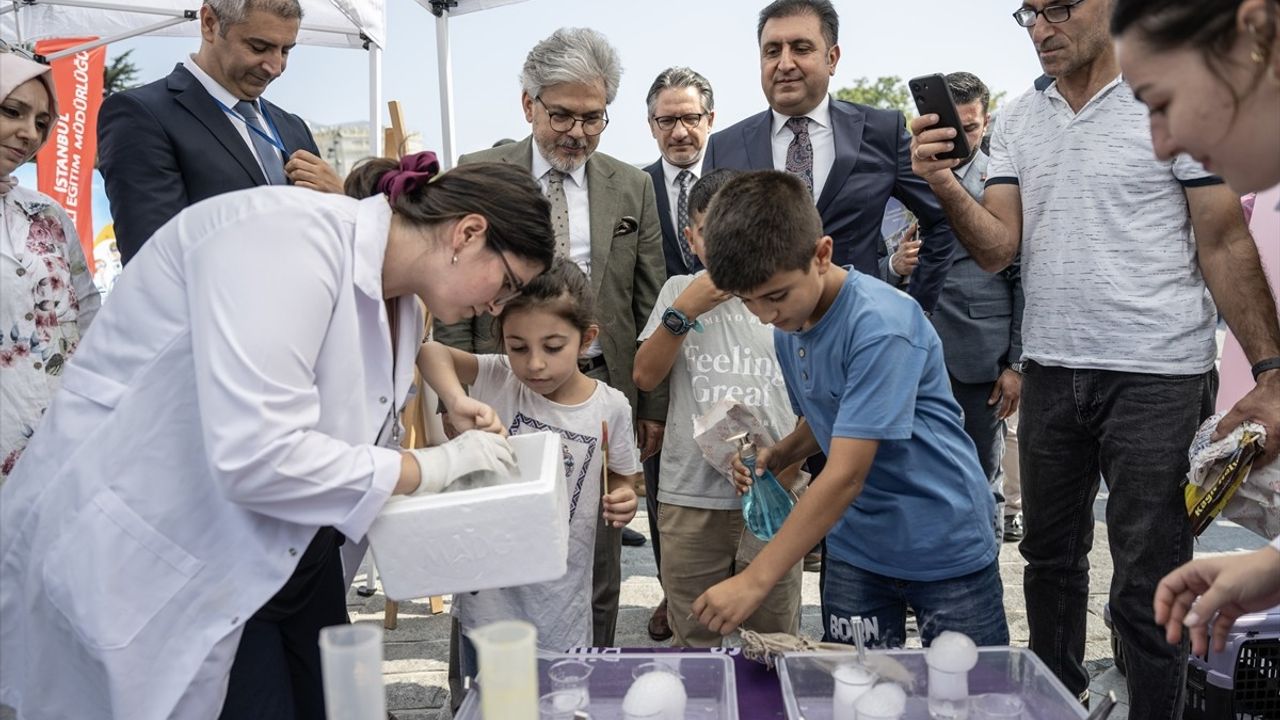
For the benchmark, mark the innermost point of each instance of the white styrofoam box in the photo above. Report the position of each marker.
(511, 534)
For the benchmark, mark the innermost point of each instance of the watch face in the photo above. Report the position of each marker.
(672, 321)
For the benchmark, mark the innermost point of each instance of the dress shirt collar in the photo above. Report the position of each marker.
(669, 172)
(820, 115)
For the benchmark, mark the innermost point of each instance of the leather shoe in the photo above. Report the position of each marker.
(632, 538)
(659, 628)
(1013, 530)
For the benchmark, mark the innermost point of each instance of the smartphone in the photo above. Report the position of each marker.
(933, 97)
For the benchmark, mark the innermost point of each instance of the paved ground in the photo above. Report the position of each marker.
(417, 651)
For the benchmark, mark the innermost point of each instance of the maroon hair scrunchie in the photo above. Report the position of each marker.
(415, 171)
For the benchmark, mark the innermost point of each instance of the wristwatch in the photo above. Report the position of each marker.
(677, 322)
(1017, 367)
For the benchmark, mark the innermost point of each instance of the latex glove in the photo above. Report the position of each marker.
(472, 451)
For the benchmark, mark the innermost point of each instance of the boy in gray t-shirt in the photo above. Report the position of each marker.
(728, 356)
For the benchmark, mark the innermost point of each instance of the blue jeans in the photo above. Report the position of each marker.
(971, 604)
(1133, 430)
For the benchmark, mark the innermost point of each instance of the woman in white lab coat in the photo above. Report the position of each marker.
(231, 417)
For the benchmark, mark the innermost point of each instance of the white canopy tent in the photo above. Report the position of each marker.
(443, 10)
(328, 23)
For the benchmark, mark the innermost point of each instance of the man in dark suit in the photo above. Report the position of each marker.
(204, 129)
(979, 314)
(681, 109)
(606, 221)
(681, 113)
(853, 157)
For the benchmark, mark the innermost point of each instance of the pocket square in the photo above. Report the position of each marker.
(626, 225)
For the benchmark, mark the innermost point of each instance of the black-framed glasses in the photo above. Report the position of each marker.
(511, 285)
(1026, 17)
(668, 122)
(564, 122)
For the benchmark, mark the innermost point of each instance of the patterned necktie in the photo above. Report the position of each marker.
(559, 211)
(268, 155)
(800, 151)
(682, 220)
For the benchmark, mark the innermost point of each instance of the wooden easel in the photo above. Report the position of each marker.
(416, 418)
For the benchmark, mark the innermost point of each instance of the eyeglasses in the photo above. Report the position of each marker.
(564, 122)
(511, 285)
(1026, 17)
(668, 122)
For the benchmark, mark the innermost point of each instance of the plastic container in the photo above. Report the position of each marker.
(506, 652)
(1242, 682)
(710, 687)
(491, 537)
(808, 685)
(351, 668)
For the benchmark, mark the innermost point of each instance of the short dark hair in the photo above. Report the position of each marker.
(828, 18)
(759, 224)
(562, 290)
(967, 87)
(517, 211)
(1205, 25)
(702, 191)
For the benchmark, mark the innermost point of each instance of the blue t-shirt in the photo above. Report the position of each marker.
(872, 369)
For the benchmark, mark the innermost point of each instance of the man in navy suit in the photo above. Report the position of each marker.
(853, 157)
(204, 130)
(681, 112)
(979, 316)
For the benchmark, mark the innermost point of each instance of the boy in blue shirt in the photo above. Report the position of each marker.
(902, 500)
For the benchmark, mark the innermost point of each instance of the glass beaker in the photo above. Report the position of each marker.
(571, 676)
(560, 705)
(508, 670)
(351, 669)
(997, 706)
(852, 681)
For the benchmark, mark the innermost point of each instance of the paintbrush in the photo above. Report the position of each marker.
(604, 461)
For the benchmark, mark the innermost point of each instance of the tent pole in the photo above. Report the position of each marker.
(375, 100)
(444, 61)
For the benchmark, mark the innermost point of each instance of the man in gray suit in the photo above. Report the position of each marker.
(979, 314)
(606, 220)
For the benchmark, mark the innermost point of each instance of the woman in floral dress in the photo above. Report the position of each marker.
(47, 296)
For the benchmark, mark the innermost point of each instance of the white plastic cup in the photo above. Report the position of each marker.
(508, 670)
(351, 666)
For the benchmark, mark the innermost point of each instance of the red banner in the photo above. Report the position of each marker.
(64, 166)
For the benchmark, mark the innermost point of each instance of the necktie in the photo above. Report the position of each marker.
(272, 163)
(682, 220)
(800, 151)
(559, 211)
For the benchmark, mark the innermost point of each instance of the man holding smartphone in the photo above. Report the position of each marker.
(1118, 335)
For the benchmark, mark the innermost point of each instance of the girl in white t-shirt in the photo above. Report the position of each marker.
(537, 386)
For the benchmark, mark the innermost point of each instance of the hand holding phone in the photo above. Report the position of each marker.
(933, 97)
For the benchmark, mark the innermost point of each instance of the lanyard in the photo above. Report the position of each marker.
(273, 138)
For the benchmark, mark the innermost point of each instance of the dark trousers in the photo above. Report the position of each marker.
(276, 671)
(651, 467)
(1133, 430)
(606, 570)
(986, 430)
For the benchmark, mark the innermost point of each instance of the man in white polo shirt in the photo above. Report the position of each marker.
(1118, 334)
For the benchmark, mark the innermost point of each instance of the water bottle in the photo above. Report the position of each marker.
(766, 504)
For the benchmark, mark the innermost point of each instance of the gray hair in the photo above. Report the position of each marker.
(678, 78)
(572, 56)
(234, 12)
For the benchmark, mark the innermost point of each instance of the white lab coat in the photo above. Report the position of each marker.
(223, 407)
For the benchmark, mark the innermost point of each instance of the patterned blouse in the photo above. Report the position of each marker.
(47, 299)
